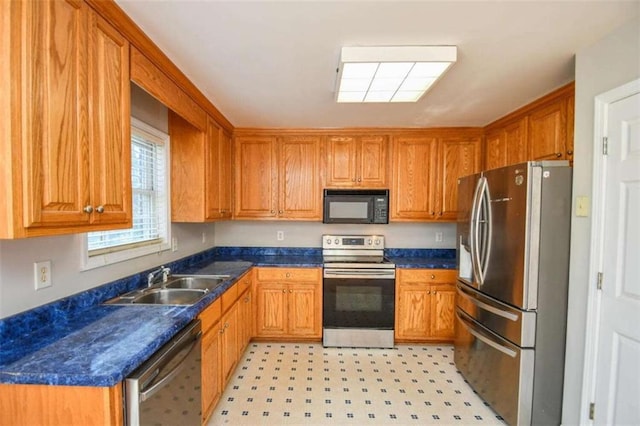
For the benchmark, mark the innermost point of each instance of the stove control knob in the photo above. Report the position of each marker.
(369, 241)
(377, 242)
(328, 240)
(337, 241)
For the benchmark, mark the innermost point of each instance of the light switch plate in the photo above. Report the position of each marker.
(582, 206)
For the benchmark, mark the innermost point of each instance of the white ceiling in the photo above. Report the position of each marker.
(273, 64)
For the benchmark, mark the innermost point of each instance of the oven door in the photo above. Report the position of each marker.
(358, 298)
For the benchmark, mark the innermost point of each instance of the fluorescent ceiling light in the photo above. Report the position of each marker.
(391, 73)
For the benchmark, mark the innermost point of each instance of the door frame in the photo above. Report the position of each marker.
(596, 253)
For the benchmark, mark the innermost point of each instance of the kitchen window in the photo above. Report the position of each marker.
(150, 188)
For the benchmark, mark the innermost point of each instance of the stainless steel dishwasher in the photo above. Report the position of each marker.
(165, 390)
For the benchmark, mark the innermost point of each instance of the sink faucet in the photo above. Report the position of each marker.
(154, 275)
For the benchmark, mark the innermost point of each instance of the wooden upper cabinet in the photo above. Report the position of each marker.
(277, 177)
(414, 162)
(515, 135)
(110, 122)
(548, 132)
(357, 161)
(458, 157)
(299, 177)
(68, 142)
(256, 180)
(495, 150)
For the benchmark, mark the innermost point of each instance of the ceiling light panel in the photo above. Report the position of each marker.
(391, 73)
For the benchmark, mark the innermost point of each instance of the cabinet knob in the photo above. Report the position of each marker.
(290, 291)
(353, 180)
(221, 331)
(223, 211)
(570, 152)
(359, 179)
(226, 325)
(288, 274)
(88, 209)
(279, 211)
(428, 291)
(100, 209)
(559, 155)
(433, 277)
(284, 290)
(435, 292)
(433, 213)
(439, 213)
(273, 212)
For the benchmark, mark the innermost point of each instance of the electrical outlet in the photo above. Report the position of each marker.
(439, 237)
(280, 235)
(174, 244)
(582, 206)
(42, 274)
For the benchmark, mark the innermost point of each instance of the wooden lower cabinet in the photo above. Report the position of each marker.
(227, 327)
(425, 304)
(60, 405)
(289, 303)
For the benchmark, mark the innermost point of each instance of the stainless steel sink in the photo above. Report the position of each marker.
(209, 283)
(164, 296)
(178, 290)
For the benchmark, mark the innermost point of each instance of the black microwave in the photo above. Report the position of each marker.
(356, 206)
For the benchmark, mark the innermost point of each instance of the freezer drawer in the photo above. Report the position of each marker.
(519, 327)
(499, 371)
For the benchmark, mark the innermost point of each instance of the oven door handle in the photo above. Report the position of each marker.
(350, 273)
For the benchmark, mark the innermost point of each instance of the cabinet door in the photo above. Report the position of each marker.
(341, 161)
(110, 132)
(516, 140)
(442, 311)
(495, 150)
(373, 162)
(271, 304)
(547, 132)
(299, 176)
(413, 312)
(304, 310)
(212, 170)
(256, 178)
(413, 186)
(55, 117)
(245, 319)
(211, 377)
(229, 343)
(458, 157)
(225, 175)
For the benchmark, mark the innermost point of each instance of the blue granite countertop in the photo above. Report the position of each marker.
(86, 343)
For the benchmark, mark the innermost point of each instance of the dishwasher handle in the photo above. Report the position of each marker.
(146, 393)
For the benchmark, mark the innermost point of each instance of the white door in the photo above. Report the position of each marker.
(617, 381)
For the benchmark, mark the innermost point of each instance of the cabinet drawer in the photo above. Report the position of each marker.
(289, 274)
(229, 297)
(437, 276)
(244, 282)
(210, 315)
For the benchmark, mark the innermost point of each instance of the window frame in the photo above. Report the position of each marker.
(107, 256)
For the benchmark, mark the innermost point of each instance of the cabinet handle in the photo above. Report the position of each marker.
(100, 209)
(433, 277)
(559, 155)
(88, 209)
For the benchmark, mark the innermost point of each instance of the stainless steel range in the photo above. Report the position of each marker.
(358, 292)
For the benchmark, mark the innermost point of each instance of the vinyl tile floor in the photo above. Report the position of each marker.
(306, 384)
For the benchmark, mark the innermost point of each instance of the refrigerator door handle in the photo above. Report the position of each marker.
(485, 305)
(473, 231)
(483, 336)
(487, 225)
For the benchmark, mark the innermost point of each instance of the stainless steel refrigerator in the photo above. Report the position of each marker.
(513, 235)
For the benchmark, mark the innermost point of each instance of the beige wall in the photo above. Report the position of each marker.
(611, 62)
